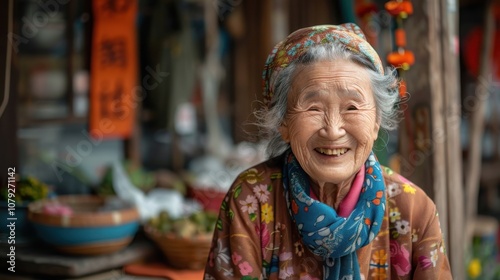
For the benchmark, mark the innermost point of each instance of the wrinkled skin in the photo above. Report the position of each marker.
(331, 124)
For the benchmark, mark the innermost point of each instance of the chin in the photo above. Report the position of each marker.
(327, 178)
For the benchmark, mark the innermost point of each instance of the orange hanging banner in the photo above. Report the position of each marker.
(113, 69)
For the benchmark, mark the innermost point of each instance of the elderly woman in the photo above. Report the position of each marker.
(322, 207)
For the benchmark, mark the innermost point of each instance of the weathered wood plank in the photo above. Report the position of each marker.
(451, 91)
(427, 166)
(438, 135)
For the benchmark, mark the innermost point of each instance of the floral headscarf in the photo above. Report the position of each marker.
(298, 42)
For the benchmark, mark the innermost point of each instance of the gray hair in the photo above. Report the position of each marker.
(384, 86)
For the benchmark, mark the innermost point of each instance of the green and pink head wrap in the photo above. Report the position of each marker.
(297, 43)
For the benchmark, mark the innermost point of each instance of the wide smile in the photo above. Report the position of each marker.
(332, 152)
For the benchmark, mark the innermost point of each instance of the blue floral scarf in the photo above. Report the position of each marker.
(323, 231)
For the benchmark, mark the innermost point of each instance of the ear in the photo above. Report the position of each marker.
(283, 129)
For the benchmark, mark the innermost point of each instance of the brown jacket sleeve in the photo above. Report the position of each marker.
(417, 248)
(429, 254)
(236, 249)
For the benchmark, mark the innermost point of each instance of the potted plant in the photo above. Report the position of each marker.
(14, 208)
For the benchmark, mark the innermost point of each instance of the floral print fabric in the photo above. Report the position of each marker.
(288, 50)
(255, 238)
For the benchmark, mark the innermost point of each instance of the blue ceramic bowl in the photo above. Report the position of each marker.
(94, 227)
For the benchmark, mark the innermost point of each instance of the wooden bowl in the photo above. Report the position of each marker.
(90, 229)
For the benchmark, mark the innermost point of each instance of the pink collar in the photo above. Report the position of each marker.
(349, 202)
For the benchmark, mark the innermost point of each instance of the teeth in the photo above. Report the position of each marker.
(333, 152)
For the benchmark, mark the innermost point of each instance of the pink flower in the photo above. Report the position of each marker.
(285, 256)
(400, 258)
(286, 272)
(404, 180)
(57, 209)
(245, 268)
(261, 192)
(308, 277)
(393, 190)
(249, 204)
(425, 262)
(236, 258)
(265, 237)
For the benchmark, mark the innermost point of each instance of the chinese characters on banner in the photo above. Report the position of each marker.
(113, 68)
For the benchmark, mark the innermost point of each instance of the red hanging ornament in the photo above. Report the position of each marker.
(399, 8)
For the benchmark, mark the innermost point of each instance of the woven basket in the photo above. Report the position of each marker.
(182, 253)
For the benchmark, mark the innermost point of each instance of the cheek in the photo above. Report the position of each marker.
(297, 134)
(363, 127)
(302, 126)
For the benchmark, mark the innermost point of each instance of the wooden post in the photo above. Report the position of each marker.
(426, 168)
(452, 120)
(439, 138)
(433, 84)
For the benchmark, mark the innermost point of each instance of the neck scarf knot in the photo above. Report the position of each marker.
(323, 231)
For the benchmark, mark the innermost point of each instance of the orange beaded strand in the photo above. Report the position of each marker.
(401, 58)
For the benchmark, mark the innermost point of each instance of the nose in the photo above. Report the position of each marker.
(333, 126)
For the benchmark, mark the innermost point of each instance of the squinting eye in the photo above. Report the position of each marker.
(352, 108)
(314, 109)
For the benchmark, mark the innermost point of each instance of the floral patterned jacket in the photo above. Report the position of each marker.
(255, 237)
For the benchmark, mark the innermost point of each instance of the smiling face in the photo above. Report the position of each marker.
(331, 121)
